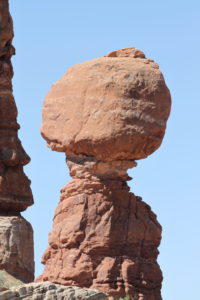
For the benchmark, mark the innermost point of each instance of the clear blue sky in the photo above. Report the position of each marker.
(50, 36)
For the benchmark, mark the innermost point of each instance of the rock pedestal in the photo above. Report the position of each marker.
(103, 236)
(16, 235)
(104, 114)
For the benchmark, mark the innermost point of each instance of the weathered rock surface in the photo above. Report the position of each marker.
(113, 108)
(16, 247)
(104, 114)
(16, 236)
(50, 291)
(103, 237)
(15, 192)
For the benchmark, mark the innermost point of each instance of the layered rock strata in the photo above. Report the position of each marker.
(104, 114)
(16, 235)
(50, 291)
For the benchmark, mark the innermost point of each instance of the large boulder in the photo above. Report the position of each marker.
(112, 107)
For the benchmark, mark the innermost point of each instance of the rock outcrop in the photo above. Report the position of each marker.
(105, 114)
(50, 291)
(16, 247)
(16, 235)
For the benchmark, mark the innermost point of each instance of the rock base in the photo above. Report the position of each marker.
(50, 291)
(103, 236)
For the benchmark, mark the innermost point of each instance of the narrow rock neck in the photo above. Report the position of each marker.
(88, 167)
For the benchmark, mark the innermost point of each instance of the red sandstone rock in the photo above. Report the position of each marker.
(104, 114)
(112, 108)
(16, 236)
(15, 192)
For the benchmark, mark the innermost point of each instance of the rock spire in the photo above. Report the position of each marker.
(16, 235)
(105, 114)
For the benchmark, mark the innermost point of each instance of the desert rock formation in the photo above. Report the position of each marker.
(105, 114)
(110, 108)
(16, 235)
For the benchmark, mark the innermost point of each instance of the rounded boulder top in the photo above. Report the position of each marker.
(112, 108)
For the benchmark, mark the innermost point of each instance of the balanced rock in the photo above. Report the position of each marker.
(104, 114)
(112, 108)
(16, 235)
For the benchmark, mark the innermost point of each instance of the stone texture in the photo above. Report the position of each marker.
(104, 114)
(16, 247)
(113, 108)
(50, 291)
(16, 235)
(8, 281)
(15, 192)
(103, 236)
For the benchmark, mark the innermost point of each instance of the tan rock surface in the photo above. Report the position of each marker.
(16, 235)
(50, 291)
(104, 114)
(16, 247)
(112, 107)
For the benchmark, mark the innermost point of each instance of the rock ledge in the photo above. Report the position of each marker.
(50, 291)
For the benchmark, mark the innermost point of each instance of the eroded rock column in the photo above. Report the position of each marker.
(105, 114)
(16, 235)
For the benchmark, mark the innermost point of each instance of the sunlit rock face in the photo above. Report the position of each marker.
(112, 108)
(105, 114)
(15, 192)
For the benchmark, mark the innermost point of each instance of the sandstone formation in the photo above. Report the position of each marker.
(16, 236)
(110, 108)
(49, 291)
(104, 114)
